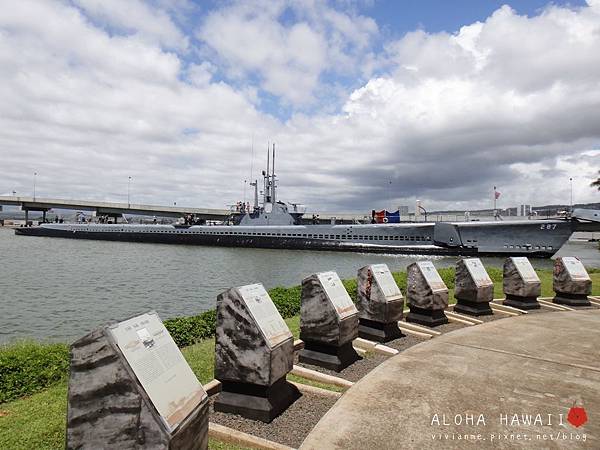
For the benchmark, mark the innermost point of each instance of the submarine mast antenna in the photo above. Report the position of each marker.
(273, 177)
(267, 184)
(252, 159)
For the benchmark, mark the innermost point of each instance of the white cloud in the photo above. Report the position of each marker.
(511, 101)
(251, 38)
(135, 16)
(462, 111)
(201, 74)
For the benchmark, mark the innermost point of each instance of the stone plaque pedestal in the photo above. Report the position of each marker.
(521, 284)
(330, 357)
(254, 401)
(427, 295)
(571, 282)
(426, 316)
(380, 304)
(564, 298)
(519, 302)
(328, 323)
(143, 397)
(254, 351)
(379, 331)
(474, 290)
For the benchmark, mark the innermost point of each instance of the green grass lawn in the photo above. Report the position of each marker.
(38, 421)
(35, 422)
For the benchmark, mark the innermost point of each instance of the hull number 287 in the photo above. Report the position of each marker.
(548, 226)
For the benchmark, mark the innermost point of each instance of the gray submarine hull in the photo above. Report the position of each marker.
(535, 238)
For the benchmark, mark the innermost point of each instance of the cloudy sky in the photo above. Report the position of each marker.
(371, 104)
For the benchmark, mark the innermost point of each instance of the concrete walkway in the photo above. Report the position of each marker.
(477, 382)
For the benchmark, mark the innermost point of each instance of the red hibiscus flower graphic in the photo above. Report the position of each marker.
(577, 416)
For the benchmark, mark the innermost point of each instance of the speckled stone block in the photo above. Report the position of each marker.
(521, 284)
(254, 351)
(473, 288)
(328, 322)
(427, 295)
(109, 408)
(380, 304)
(572, 284)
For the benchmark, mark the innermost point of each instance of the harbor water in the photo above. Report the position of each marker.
(60, 289)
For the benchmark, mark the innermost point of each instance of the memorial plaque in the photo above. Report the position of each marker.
(254, 351)
(525, 269)
(328, 322)
(575, 268)
(270, 322)
(386, 282)
(473, 288)
(130, 386)
(478, 272)
(337, 293)
(427, 294)
(432, 276)
(159, 366)
(571, 282)
(380, 304)
(521, 284)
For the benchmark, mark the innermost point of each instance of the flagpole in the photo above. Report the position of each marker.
(495, 210)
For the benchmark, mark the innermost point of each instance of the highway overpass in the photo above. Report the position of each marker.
(116, 210)
(111, 209)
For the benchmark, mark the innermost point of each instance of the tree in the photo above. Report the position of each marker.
(596, 183)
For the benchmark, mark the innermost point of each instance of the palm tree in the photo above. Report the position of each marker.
(596, 183)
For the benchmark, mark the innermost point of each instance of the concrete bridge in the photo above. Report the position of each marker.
(110, 209)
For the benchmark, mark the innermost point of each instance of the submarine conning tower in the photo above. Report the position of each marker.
(271, 211)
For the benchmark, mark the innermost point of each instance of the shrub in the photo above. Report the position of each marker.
(287, 300)
(400, 278)
(27, 367)
(352, 287)
(495, 274)
(189, 330)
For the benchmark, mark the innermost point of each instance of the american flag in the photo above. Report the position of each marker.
(496, 195)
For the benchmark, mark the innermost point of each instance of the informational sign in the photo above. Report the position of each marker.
(337, 294)
(432, 276)
(265, 314)
(478, 272)
(575, 268)
(159, 366)
(525, 269)
(385, 281)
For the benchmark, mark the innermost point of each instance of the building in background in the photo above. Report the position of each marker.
(525, 210)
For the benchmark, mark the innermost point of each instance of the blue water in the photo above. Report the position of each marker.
(60, 289)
